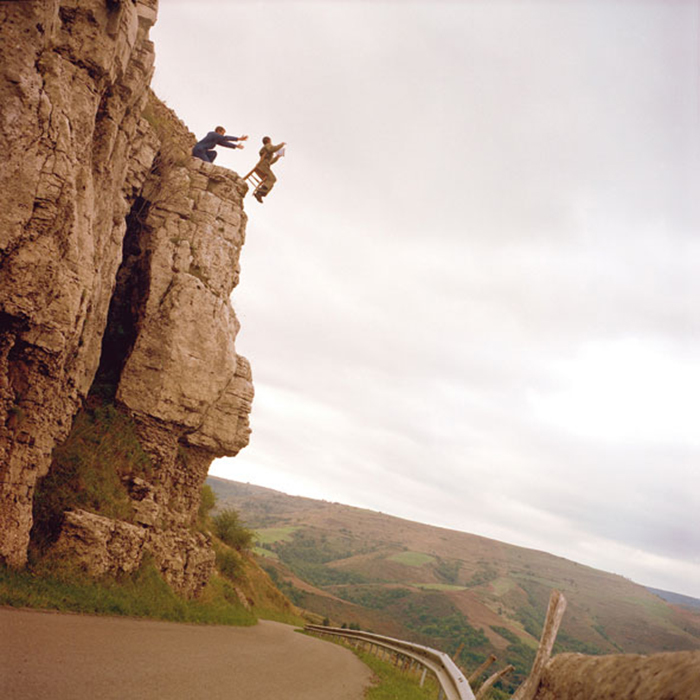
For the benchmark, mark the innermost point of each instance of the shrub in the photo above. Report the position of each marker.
(228, 562)
(230, 530)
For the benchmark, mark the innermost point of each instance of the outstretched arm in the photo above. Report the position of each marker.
(226, 141)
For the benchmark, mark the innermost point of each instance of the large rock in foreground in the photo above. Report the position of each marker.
(671, 676)
(105, 546)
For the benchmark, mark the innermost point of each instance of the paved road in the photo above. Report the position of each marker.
(46, 655)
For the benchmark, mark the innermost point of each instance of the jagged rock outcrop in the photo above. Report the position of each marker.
(107, 546)
(118, 253)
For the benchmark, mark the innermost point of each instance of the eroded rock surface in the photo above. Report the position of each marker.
(106, 546)
(118, 253)
(183, 368)
(73, 86)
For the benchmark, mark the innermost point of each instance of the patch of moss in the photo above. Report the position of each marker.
(88, 471)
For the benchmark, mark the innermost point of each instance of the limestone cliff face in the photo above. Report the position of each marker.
(118, 253)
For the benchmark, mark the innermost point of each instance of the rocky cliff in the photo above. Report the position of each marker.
(118, 254)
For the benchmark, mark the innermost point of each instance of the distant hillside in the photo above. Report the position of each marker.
(445, 588)
(676, 598)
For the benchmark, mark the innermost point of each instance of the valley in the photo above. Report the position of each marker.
(463, 594)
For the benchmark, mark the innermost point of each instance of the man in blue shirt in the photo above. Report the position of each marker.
(204, 150)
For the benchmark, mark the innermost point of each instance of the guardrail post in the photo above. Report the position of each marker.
(475, 676)
(486, 686)
(555, 612)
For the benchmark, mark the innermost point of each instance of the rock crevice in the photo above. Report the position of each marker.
(118, 255)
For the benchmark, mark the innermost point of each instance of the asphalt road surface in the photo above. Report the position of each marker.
(45, 655)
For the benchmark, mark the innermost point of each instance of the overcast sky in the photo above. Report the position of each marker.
(473, 297)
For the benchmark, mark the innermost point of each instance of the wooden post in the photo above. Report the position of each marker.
(483, 691)
(422, 678)
(555, 612)
(475, 676)
(456, 654)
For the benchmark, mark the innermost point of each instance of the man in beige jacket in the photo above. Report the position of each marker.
(268, 156)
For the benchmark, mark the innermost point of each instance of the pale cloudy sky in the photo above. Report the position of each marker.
(472, 299)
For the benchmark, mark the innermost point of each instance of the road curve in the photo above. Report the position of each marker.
(82, 657)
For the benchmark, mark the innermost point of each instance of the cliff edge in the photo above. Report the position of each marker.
(118, 255)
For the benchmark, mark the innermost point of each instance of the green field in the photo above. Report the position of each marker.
(267, 553)
(270, 535)
(412, 558)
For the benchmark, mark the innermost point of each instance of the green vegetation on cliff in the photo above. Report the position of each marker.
(88, 470)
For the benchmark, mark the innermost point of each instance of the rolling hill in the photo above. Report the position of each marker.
(451, 590)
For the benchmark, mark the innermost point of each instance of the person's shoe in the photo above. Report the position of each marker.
(258, 196)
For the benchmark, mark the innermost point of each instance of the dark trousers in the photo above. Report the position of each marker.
(268, 182)
(203, 154)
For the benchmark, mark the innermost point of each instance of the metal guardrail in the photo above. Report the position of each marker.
(453, 684)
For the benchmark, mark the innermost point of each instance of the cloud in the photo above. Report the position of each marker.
(476, 279)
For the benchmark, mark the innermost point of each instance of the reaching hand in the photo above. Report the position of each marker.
(240, 145)
(243, 138)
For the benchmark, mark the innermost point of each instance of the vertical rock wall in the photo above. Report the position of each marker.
(103, 213)
(73, 86)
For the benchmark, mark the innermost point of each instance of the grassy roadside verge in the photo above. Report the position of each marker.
(287, 618)
(389, 683)
(393, 684)
(143, 594)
